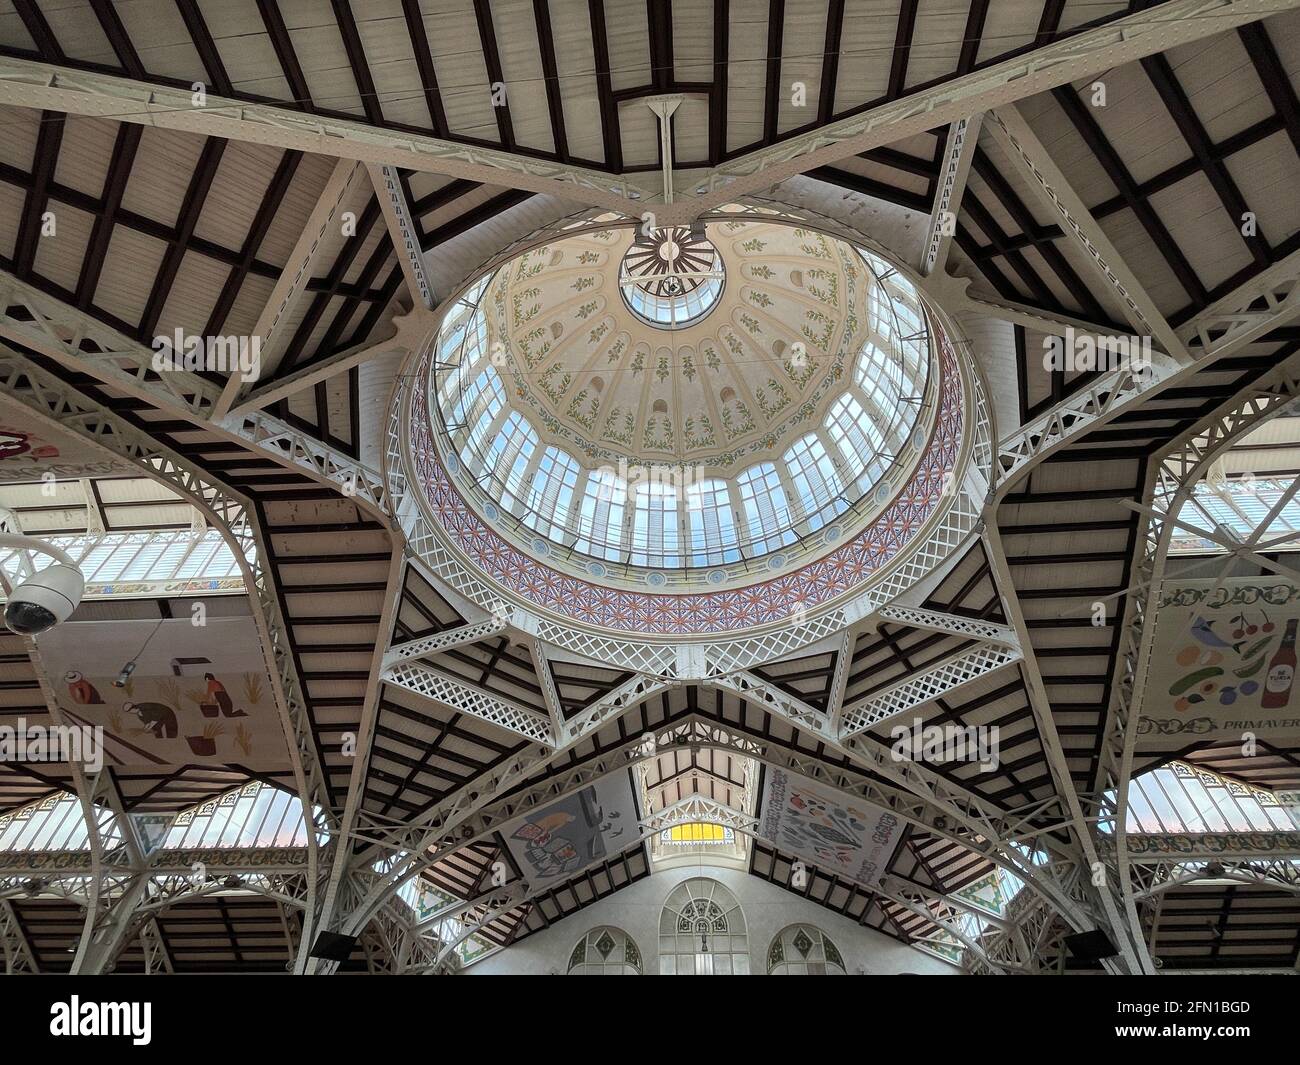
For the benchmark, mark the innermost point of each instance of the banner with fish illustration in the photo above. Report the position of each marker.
(589, 826)
(829, 829)
(1223, 663)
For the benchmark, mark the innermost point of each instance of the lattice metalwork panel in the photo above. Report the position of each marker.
(928, 686)
(467, 700)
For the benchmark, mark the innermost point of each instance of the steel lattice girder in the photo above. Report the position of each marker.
(1171, 482)
(53, 328)
(51, 400)
(1230, 324)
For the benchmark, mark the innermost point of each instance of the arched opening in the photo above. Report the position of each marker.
(702, 931)
(804, 950)
(605, 951)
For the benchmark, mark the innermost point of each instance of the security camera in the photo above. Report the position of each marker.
(47, 597)
(44, 599)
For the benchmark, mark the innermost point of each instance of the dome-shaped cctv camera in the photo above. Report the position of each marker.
(45, 599)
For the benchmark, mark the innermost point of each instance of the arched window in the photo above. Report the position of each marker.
(702, 931)
(858, 438)
(508, 457)
(605, 951)
(713, 529)
(478, 405)
(547, 507)
(767, 514)
(654, 526)
(816, 481)
(600, 518)
(803, 950)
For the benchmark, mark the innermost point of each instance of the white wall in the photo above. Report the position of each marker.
(767, 910)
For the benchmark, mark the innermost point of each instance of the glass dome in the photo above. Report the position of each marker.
(792, 393)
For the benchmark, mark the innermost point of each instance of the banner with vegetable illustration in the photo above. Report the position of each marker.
(1223, 663)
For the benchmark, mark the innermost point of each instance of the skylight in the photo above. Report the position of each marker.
(1239, 506)
(531, 427)
(1178, 798)
(125, 563)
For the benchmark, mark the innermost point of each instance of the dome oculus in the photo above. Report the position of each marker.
(671, 277)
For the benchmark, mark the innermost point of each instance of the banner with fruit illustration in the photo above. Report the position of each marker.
(1223, 663)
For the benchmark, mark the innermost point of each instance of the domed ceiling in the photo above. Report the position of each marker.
(683, 431)
(759, 364)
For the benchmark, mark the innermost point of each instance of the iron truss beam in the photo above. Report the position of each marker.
(958, 153)
(475, 702)
(340, 190)
(1082, 55)
(52, 328)
(50, 400)
(925, 798)
(25, 83)
(954, 672)
(18, 955)
(390, 855)
(1171, 483)
(41, 85)
(1245, 316)
(1028, 155)
(952, 624)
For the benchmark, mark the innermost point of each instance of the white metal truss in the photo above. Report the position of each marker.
(1248, 313)
(947, 921)
(952, 624)
(958, 153)
(24, 83)
(344, 182)
(1102, 902)
(924, 687)
(1079, 56)
(1244, 316)
(1170, 484)
(1029, 156)
(476, 914)
(39, 85)
(409, 848)
(52, 401)
(939, 808)
(18, 955)
(1153, 848)
(401, 228)
(840, 680)
(467, 699)
(922, 796)
(157, 958)
(1108, 396)
(52, 328)
(770, 697)
(442, 641)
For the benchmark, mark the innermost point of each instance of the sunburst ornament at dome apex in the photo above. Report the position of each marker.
(742, 380)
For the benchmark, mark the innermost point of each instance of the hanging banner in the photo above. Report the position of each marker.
(191, 694)
(1223, 663)
(836, 832)
(556, 841)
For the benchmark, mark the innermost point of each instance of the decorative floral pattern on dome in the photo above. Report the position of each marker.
(561, 323)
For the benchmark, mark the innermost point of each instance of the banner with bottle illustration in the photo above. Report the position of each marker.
(1223, 663)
